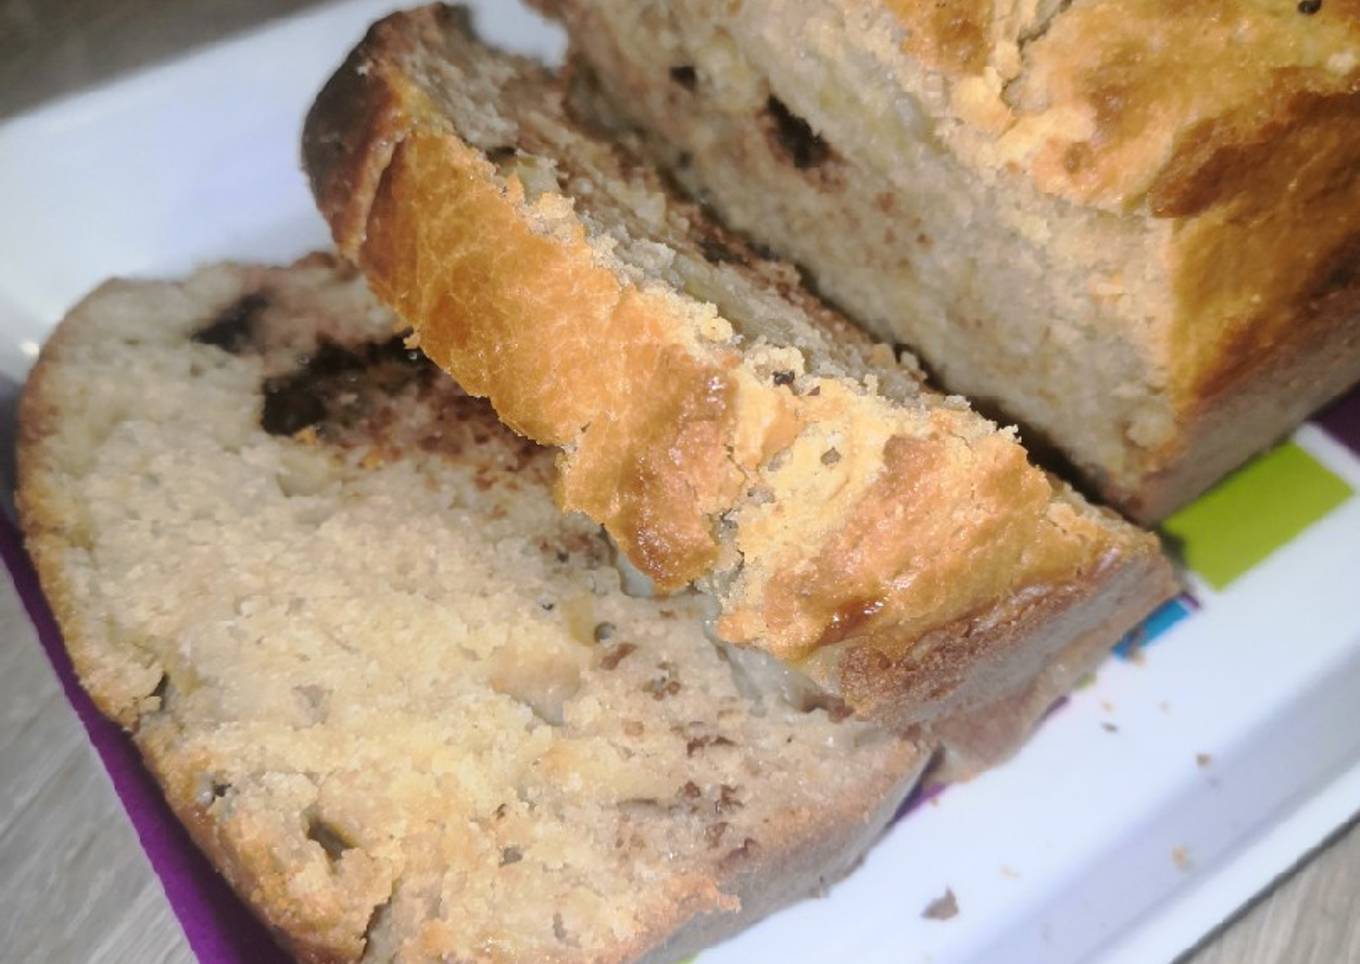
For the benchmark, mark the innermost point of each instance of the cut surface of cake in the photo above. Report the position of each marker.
(725, 426)
(398, 698)
(1131, 225)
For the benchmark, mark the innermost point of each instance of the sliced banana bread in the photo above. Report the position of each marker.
(722, 424)
(1133, 225)
(395, 694)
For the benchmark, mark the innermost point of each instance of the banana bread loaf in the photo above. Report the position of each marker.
(1131, 225)
(720, 422)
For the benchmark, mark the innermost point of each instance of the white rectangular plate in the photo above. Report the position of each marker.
(1146, 810)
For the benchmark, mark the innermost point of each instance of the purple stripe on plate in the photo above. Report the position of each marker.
(1342, 419)
(920, 795)
(219, 928)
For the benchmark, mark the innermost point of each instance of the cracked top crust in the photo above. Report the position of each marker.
(1160, 200)
(720, 424)
(1115, 103)
(1230, 126)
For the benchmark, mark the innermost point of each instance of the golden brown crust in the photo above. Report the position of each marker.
(1211, 143)
(1264, 263)
(484, 293)
(346, 160)
(1110, 123)
(399, 196)
(1170, 83)
(899, 567)
(568, 352)
(981, 662)
(116, 686)
(1273, 387)
(1231, 128)
(951, 37)
(311, 935)
(1075, 640)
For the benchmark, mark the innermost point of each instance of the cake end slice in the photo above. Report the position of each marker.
(725, 426)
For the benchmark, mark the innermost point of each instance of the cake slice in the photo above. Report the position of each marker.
(1133, 225)
(397, 697)
(724, 426)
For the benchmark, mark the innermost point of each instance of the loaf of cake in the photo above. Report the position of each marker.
(883, 541)
(1133, 226)
(397, 697)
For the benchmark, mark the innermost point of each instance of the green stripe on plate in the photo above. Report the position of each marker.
(1253, 512)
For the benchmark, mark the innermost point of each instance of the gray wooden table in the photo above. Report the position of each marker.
(75, 885)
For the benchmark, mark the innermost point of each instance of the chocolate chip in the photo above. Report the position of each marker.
(747, 850)
(501, 154)
(838, 712)
(795, 136)
(290, 405)
(716, 252)
(695, 744)
(234, 327)
(617, 655)
(511, 855)
(1309, 7)
(685, 76)
(783, 377)
(665, 684)
(661, 688)
(332, 359)
(762, 251)
(331, 384)
(394, 350)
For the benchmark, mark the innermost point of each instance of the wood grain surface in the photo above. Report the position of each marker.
(75, 885)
